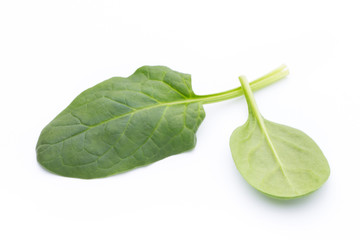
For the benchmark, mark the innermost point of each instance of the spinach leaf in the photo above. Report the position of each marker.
(123, 123)
(277, 160)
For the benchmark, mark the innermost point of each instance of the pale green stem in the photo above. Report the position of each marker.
(257, 84)
(252, 106)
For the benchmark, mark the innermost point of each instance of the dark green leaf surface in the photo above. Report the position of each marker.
(122, 123)
(277, 160)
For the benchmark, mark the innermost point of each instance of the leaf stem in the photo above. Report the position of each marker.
(253, 108)
(257, 84)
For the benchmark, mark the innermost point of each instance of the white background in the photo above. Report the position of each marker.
(50, 51)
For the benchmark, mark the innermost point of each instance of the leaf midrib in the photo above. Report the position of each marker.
(186, 101)
(260, 120)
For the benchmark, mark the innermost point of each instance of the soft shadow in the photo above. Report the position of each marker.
(288, 202)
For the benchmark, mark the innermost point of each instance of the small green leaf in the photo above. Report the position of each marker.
(277, 160)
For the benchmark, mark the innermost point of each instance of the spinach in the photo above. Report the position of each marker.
(277, 160)
(124, 123)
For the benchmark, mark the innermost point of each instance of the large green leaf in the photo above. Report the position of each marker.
(122, 123)
(275, 159)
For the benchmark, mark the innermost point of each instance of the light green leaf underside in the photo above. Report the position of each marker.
(277, 160)
(122, 123)
(301, 167)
